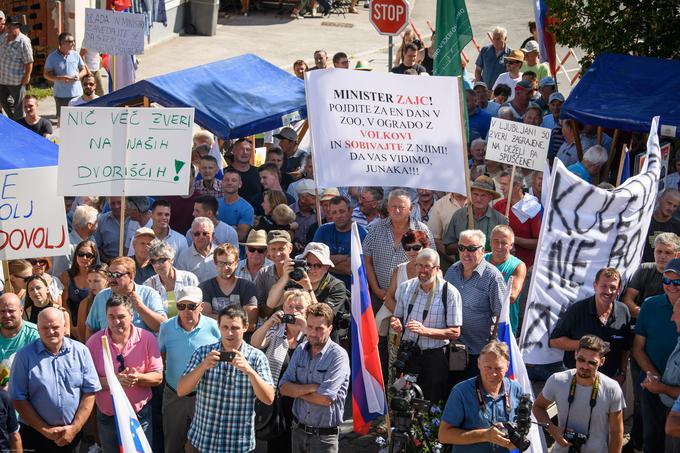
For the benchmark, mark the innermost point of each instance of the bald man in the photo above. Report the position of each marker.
(52, 385)
(15, 333)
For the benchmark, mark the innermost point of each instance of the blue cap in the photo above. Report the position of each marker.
(556, 97)
(673, 266)
(546, 81)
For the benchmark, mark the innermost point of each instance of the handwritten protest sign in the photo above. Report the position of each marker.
(385, 130)
(519, 144)
(584, 229)
(143, 151)
(32, 216)
(111, 32)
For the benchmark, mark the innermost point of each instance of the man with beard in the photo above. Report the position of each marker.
(89, 84)
(15, 333)
(588, 402)
(421, 317)
(662, 221)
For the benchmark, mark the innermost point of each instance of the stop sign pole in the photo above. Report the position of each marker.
(390, 17)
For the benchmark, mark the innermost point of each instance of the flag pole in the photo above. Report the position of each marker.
(509, 199)
(471, 220)
(622, 162)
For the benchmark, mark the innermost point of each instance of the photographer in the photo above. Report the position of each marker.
(478, 406)
(309, 271)
(426, 326)
(589, 404)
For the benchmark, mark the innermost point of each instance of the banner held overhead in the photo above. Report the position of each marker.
(115, 33)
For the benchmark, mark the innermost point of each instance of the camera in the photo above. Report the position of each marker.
(299, 269)
(577, 440)
(407, 350)
(406, 406)
(288, 319)
(518, 430)
(227, 356)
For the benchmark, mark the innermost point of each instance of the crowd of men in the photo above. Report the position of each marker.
(235, 297)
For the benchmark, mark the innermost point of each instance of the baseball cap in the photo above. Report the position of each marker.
(479, 83)
(2, 15)
(320, 250)
(546, 81)
(673, 266)
(556, 97)
(190, 294)
(524, 85)
(278, 236)
(532, 46)
(144, 231)
(288, 133)
(305, 186)
(329, 194)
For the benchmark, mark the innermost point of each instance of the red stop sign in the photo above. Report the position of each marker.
(390, 17)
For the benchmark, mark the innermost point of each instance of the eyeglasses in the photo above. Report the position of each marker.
(190, 307)
(316, 266)
(121, 362)
(38, 262)
(413, 247)
(85, 255)
(257, 250)
(425, 267)
(201, 233)
(668, 281)
(513, 62)
(116, 275)
(469, 248)
(225, 263)
(159, 261)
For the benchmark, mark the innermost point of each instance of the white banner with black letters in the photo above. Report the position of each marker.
(584, 229)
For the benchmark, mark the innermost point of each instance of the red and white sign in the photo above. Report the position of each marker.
(390, 17)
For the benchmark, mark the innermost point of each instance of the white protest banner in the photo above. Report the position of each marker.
(116, 33)
(377, 129)
(32, 216)
(143, 151)
(584, 229)
(513, 143)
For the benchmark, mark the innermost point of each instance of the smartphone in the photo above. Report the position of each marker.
(288, 319)
(227, 356)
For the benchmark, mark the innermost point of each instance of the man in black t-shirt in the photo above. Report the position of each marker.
(242, 151)
(662, 221)
(32, 120)
(410, 55)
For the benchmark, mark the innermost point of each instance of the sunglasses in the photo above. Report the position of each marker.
(190, 307)
(85, 255)
(413, 247)
(316, 266)
(121, 362)
(25, 279)
(38, 262)
(257, 250)
(116, 275)
(668, 281)
(159, 261)
(469, 248)
(513, 62)
(201, 233)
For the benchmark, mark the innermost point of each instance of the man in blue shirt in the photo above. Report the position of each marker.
(232, 208)
(317, 377)
(337, 236)
(65, 68)
(52, 385)
(590, 165)
(491, 60)
(478, 119)
(477, 404)
(149, 311)
(179, 337)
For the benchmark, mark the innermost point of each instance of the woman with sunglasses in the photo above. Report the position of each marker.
(40, 268)
(19, 272)
(278, 337)
(168, 280)
(38, 298)
(75, 279)
(97, 280)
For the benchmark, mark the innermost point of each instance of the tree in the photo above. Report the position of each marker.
(647, 28)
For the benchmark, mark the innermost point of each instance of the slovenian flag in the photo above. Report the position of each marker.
(546, 40)
(517, 371)
(131, 438)
(368, 394)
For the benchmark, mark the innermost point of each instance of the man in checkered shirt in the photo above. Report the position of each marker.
(226, 388)
(16, 64)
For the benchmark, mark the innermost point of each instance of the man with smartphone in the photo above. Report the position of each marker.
(227, 376)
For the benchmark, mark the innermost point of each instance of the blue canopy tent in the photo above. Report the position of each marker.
(236, 97)
(22, 148)
(625, 92)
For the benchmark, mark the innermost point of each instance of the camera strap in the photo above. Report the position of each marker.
(412, 302)
(593, 399)
(482, 403)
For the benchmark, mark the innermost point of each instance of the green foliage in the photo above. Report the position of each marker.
(637, 27)
(39, 92)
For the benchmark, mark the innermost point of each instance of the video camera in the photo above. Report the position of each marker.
(407, 406)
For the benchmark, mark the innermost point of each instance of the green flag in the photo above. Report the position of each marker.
(453, 32)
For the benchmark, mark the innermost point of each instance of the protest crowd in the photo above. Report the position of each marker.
(227, 314)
